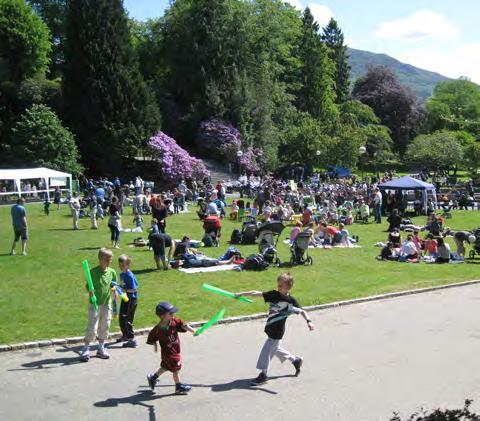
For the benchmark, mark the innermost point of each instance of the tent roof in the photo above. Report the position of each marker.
(29, 173)
(406, 183)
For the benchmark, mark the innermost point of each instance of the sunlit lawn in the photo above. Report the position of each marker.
(43, 297)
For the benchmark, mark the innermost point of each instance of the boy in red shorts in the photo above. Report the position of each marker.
(166, 334)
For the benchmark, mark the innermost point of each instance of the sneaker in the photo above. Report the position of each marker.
(85, 356)
(152, 380)
(261, 379)
(182, 389)
(297, 363)
(13, 253)
(104, 355)
(132, 343)
(24, 253)
(121, 339)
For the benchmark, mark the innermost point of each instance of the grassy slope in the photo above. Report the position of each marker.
(43, 297)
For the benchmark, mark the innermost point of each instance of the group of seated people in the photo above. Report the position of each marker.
(323, 234)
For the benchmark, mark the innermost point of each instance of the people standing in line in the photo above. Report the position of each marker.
(20, 227)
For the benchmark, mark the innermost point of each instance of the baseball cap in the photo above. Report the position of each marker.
(165, 307)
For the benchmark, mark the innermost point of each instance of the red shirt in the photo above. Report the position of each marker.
(168, 338)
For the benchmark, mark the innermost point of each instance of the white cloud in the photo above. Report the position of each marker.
(296, 3)
(421, 25)
(463, 60)
(321, 13)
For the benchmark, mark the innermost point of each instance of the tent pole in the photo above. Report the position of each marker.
(19, 189)
(47, 185)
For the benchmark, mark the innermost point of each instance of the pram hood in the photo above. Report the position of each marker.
(275, 227)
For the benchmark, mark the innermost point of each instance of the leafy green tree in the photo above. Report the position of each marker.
(302, 140)
(40, 139)
(334, 39)
(472, 156)
(24, 42)
(436, 151)
(455, 105)
(316, 95)
(53, 13)
(109, 107)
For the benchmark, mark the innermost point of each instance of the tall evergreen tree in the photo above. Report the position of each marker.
(109, 107)
(316, 95)
(333, 37)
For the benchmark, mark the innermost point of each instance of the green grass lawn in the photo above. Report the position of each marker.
(43, 295)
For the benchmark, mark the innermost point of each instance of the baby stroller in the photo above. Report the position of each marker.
(268, 235)
(299, 250)
(212, 227)
(476, 245)
(249, 232)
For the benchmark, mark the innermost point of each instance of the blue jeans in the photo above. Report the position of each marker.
(378, 213)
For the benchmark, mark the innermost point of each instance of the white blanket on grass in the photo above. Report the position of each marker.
(208, 269)
(320, 246)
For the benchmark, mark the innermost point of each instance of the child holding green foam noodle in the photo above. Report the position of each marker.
(282, 305)
(99, 319)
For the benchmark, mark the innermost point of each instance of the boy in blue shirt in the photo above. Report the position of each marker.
(129, 284)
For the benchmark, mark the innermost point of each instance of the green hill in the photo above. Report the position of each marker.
(422, 82)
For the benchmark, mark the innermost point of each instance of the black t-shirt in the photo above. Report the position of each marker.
(281, 306)
(158, 242)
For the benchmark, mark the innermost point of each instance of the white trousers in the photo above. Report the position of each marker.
(98, 320)
(271, 348)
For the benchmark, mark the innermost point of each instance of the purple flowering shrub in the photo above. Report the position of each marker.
(221, 139)
(176, 163)
(253, 161)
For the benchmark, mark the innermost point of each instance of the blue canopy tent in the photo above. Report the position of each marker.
(409, 183)
(339, 172)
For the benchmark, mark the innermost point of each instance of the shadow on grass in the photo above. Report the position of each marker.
(5, 254)
(63, 229)
(90, 248)
(143, 271)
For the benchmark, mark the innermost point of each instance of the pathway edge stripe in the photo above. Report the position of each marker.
(79, 339)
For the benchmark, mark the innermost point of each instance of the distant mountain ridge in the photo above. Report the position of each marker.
(422, 82)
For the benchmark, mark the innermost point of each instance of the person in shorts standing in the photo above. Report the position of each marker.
(20, 228)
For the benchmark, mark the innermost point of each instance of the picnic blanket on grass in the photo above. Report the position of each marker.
(209, 269)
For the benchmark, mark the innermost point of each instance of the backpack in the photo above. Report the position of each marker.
(255, 262)
(208, 240)
(236, 237)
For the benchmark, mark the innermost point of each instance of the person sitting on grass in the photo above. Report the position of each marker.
(234, 211)
(388, 252)
(409, 251)
(394, 220)
(295, 231)
(395, 238)
(431, 246)
(443, 251)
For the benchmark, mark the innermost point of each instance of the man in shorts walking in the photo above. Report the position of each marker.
(20, 229)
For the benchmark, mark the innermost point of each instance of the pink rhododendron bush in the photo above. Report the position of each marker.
(175, 162)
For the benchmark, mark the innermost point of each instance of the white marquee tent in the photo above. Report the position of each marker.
(50, 178)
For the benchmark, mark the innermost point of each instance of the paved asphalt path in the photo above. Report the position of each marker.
(361, 363)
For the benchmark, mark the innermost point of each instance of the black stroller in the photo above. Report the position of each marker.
(268, 235)
(476, 245)
(299, 250)
(249, 232)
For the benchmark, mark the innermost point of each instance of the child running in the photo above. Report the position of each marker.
(166, 333)
(127, 309)
(282, 305)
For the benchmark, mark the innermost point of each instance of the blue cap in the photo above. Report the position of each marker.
(165, 307)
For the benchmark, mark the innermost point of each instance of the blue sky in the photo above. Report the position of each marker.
(437, 35)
